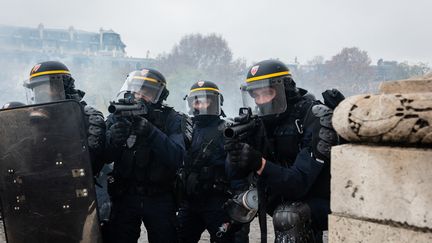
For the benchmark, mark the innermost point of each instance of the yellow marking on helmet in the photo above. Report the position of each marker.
(49, 72)
(271, 75)
(198, 89)
(145, 78)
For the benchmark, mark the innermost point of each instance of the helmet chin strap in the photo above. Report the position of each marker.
(195, 112)
(266, 108)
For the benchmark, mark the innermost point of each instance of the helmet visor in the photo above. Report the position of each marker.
(203, 103)
(143, 87)
(44, 89)
(265, 97)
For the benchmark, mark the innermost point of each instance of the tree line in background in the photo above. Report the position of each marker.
(198, 57)
(208, 57)
(352, 72)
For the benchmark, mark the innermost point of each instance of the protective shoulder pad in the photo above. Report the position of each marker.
(324, 114)
(187, 128)
(95, 117)
(320, 110)
(325, 137)
(96, 127)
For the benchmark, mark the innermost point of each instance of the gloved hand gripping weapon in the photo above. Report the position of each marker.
(127, 107)
(243, 126)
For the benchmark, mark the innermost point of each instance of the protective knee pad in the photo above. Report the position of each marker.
(291, 222)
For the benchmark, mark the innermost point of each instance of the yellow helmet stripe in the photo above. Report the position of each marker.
(145, 78)
(49, 72)
(198, 89)
(271, 75)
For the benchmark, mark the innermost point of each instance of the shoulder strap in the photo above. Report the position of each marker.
(300, 113)
(208, 144)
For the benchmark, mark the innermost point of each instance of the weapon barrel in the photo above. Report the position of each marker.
(116, 108)
(237, 129)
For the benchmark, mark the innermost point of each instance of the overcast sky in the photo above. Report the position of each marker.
(255, 30)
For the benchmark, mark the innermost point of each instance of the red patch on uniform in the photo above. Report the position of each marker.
(200, 83)
(36, 67)
(254, 70)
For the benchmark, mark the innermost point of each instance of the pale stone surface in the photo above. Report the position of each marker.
(383, 183)
(406, 86)
(398, 118)
(343, 229)
(2, 234)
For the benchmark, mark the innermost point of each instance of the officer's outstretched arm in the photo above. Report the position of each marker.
(295, 181)
(318, 137)
(169, 147)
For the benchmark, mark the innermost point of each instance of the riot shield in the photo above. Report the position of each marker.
(46, 184)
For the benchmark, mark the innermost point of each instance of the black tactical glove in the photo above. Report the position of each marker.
(120, 132)
(142, 126)
(243, 157)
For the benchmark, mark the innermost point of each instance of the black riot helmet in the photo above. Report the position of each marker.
(12, 104)
(147, 85)
(51, 81)
(267, 86)
(204, 98)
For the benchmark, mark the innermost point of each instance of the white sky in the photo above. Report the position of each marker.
(390, 29)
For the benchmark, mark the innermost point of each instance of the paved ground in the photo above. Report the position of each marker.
(254, 236)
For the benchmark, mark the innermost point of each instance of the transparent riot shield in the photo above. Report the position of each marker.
(46, 184)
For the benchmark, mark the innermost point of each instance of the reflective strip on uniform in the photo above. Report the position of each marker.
(49, 72)
(145, 78)
(198, 89)
(272, 75)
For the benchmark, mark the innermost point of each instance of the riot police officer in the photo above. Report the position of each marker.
(52, 81)
(204, 167)
(56, 157)
(147, 150)
(290, 152)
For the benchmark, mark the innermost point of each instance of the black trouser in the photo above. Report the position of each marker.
(320, 209)
(242, 235)
(203, 213)
(157, 212)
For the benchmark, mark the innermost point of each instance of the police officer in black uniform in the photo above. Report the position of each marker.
(204, 167)
(52, 81)
(147, 151)
(290, 152)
